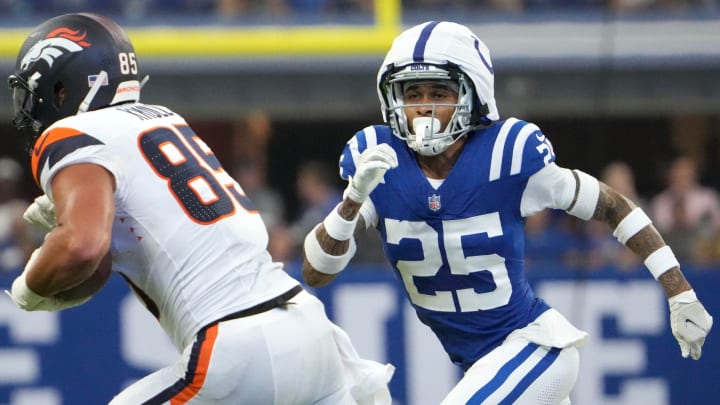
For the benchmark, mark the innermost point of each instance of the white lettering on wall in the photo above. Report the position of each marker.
(363, 311)
(430, 373)
(143, 342)
(21, 365)
(639, 309)
(365, 327)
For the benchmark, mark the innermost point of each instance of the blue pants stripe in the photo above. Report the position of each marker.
(502, 375)
(536, 371)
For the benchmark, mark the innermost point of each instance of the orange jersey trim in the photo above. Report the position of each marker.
(47, 139)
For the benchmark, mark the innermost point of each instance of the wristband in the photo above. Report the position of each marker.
(633, 223)
(338, 227)
(22, 295)
(661, 261)
(27, 299)
(322, 261)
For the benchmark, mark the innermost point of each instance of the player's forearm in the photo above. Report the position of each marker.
(612, 208)
(349, 209)
(314, 278)
(330, 245)
(64, 262)
(645, 243)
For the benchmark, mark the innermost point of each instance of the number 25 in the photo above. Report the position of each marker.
(458, 262)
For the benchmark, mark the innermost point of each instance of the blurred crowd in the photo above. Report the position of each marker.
(17, 238)
(685, 209)
(519, 6)
(138, 9)
(685, 212)
(152, 8)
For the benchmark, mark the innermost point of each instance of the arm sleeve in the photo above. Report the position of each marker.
(550, 187)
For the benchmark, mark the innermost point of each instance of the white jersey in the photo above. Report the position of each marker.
(185, 236)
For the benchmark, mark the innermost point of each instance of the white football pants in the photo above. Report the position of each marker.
(287, 355)
(519, 372)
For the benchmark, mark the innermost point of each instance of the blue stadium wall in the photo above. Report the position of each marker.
(87, 354)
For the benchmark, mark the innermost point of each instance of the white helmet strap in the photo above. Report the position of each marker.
(100, 80)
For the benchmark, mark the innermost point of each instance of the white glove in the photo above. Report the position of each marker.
(27, 299)
(370, 169)
(690, 323)
(41, 213)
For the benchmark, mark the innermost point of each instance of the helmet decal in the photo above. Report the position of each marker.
(56, 43)
(70, 34)
(482, 57)
(419, 51)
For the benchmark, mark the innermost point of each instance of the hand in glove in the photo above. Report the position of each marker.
(41, 213)
(370, 169)
(690, 323)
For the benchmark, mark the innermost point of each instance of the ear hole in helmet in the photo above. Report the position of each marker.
(58, 95)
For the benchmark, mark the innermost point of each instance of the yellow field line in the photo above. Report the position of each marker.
(258, 41)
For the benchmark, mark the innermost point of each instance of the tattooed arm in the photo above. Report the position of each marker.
(330, 245)
(348, 210)
(611, 208)
(592, 199)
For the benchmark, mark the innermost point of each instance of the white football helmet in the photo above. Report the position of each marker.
(438, 51)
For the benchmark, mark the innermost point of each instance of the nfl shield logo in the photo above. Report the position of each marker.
(434, 202)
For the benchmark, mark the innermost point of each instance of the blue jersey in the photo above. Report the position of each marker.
(458, 249)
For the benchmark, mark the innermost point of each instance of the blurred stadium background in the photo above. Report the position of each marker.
(618, 80)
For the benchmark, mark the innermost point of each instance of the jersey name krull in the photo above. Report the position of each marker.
(146, 112)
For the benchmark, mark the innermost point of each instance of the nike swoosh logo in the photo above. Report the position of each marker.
(39, 147)
(690, 321)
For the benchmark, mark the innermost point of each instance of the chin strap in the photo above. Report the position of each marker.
(99, 80)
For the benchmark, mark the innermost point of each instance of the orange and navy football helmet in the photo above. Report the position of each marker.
(71, 64)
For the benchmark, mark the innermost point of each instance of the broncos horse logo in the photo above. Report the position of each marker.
(58, 42)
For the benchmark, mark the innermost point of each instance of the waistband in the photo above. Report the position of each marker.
(261, 307)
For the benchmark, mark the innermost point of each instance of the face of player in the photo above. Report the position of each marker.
(424, 97)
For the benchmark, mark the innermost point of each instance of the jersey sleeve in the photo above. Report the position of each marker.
(347, 159)
(534, 149)
(520, 148)
(62, 146)
(551, 187)
(363, 139)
